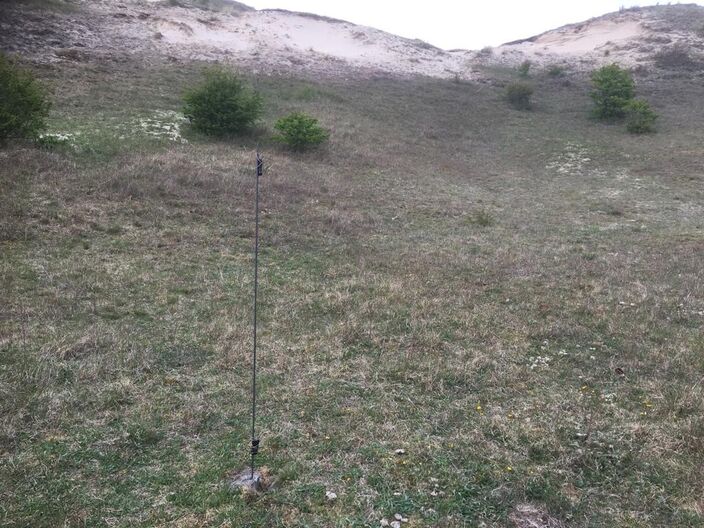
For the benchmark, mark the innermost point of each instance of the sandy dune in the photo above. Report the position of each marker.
(589, 38)
(596, 39)
(285, 38)
(277, 41)
(631, 37)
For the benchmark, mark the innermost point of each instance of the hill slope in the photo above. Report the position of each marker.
(513, 299)
(280, 41)
(269, 40)
(631, 37)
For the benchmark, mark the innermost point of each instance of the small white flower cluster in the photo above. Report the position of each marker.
(436, 488)
(539, 361)
(163, 124)
(58, 137)
(572, 161)
(396, 523)
(692, 311)
(608, 398)
(627, 305)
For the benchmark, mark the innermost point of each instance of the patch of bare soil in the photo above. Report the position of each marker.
(530, 516)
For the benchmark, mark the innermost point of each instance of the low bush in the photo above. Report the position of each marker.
(524, 69)
(556, 71)
(482, 218)
(677, 57)
(518, 95)
(640, 117)
(222, 104)
(300, 131)
(612, 89)
(24, 103)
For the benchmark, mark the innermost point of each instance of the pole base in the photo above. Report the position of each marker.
(244, 482)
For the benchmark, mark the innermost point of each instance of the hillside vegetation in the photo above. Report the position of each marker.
(513, 298)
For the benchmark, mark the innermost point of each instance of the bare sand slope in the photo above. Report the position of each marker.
(277, 41)
(288, 39)
(589, 37)
(630, 37)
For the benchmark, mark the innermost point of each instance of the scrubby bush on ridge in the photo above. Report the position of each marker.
(556, 70)
(613, 89)
(24, 103)
(640, 117)
(524, 69)
(518, 95)
(300, 131)
(222, 104)
(677, 57)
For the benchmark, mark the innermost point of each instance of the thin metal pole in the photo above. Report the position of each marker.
(255, 442)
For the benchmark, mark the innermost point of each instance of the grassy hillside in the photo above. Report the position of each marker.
(513, 298)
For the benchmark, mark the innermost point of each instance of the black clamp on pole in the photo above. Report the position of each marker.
(260, 165)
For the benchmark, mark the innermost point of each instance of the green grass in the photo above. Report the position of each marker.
(416, 274)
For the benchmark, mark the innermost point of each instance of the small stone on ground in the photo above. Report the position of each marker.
(245, 482)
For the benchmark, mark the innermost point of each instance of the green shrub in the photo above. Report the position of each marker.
(518, 95)
(482, 218)
(524, 69)
(612, 89)
(300, 131)
(24, 104)
(222, 104)
(640, 117)
(556, 71)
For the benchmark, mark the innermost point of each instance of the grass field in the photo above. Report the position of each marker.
(515, 299)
